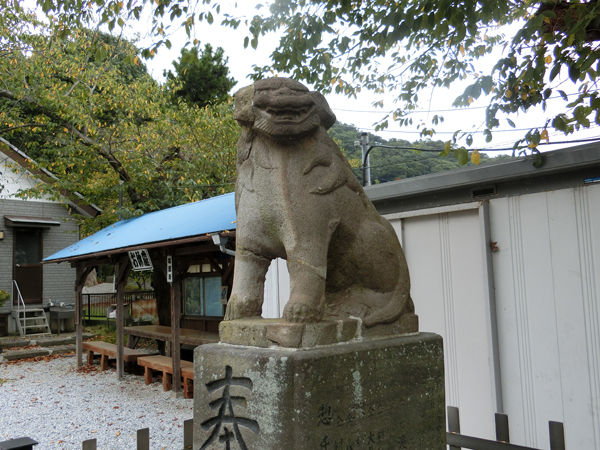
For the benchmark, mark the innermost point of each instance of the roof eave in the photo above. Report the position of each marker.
(555, 161)
(73, 199)
(116, 251)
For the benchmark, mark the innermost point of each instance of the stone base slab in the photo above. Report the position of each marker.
(384, 394)
(259, 332)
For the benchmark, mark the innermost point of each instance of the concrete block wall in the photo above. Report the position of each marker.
(59, 279)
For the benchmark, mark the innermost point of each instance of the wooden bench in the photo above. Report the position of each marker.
(164, 364)
(107, 350)
(187, 373)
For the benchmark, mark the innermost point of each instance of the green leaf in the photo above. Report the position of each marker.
(488, 135)
(574, 73)
(100, 54)
(511, 123)
(446, 151)
(555, 71)
(461, 155)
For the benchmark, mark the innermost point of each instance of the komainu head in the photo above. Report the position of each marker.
(282, 108)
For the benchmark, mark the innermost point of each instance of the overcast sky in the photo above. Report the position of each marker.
(360, 112)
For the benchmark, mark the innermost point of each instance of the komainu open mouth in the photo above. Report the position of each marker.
(286, 115)
(289, 114)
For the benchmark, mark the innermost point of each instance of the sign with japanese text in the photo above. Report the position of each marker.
(140, 260)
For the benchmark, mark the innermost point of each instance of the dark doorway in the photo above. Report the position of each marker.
(27, 267)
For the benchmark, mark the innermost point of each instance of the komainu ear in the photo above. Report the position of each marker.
(325, 113)
(243, 111)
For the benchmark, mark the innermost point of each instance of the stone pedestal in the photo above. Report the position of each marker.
(380, 394)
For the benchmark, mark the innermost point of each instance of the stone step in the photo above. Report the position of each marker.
(11, 349)
(54, 341)
(33, 353)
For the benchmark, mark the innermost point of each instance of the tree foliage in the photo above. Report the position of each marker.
(95, 121)
(406, 48)
(401, 49)
(427, 44)
(201, 77)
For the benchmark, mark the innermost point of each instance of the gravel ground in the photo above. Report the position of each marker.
(52, 403)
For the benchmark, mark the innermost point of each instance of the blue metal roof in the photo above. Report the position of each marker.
(194, 219)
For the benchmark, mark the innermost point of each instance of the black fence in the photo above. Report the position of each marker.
(454, 439)
(457, 441)
(95, 305)
(142, 442)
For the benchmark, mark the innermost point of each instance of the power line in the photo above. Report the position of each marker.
(427, 111)
(450, 132)
(507, 149)
(459, 131)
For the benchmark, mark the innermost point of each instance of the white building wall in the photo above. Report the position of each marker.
(547, 274)
(13, 181)
(448, 286)
(277, 289)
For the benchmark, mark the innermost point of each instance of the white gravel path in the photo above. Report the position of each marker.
(59, 408)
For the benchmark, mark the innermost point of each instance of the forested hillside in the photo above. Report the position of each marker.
(394, 164)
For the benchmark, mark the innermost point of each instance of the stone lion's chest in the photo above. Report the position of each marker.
(279, 171)
(277, 189)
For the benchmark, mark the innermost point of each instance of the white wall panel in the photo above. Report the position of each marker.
(445, 262)
(277, 289)
(546, 278)
(571, 336)
(587, 201)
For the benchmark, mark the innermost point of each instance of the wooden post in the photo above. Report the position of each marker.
(188, 433)
(175, 332)
(502, 433)
(143, 439)
(81, 273)
(180, 267)
(121, 274)
(90, 444)
(453, 423)
(557, 436)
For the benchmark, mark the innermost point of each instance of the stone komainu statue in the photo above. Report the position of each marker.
(297, 199)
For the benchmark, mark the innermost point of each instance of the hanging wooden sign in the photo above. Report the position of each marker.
(140, 260)
(169, 269)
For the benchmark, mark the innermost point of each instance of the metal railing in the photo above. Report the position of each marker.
(19, 298)
(142, 441)
(454, 440)
(95, 305)
(143, 438)
(457, 441)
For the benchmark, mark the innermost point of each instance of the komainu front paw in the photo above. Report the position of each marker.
(299, 311)
(238, 308)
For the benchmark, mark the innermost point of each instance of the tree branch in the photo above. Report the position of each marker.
(25, 125)
(85, 140)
